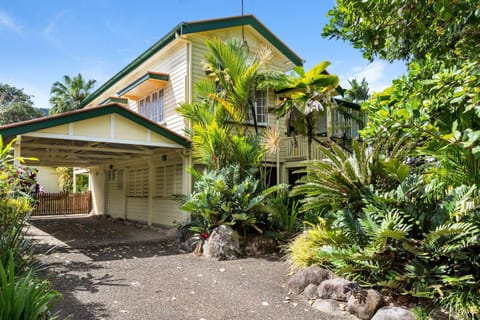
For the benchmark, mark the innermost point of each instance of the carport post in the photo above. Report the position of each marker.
(151, 189)
(17, 151)
(187, 177)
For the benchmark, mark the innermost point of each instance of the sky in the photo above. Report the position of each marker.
(41, 41)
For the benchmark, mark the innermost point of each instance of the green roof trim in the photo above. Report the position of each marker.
(114, 100)
(208, 25)
(19, 128)
(192, 27)
(142, 79)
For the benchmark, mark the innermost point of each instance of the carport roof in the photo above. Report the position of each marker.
(91, 136)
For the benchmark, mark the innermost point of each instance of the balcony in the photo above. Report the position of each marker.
(296, 148)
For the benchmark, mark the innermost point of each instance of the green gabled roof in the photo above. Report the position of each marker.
(195, 27)
(19, 128)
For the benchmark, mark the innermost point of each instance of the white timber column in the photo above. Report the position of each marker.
(187, 177)
(17, 151)
(329, 115)
(98, 188)
(151, 189)
(125, 189)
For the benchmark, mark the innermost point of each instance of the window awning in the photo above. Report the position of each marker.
(143, 85)
(114, 100)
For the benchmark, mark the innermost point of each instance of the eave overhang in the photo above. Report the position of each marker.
(143, 85)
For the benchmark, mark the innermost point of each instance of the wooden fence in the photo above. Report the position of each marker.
(62, 203)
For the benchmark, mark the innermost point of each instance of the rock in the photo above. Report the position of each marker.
(393, 313)
(311, 291)
(304, 277)
(338, 289)
(259, 245)
(330, 307)
(364, 303)
(222, 244)
(439, 314)
(186, 240)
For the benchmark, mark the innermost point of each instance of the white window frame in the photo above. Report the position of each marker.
(152, 105)
(260, 105)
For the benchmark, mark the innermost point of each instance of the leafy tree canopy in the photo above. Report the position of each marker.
(16, 105)
(407, 29)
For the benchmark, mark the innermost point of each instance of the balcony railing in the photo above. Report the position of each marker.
(297, 149)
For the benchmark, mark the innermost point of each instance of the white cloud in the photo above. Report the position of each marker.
(8, 22)
(50, 29)
(375, 74)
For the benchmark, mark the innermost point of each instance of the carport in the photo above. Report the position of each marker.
(129, 158)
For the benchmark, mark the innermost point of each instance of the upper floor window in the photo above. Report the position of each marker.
(152, 106)
(260, 105)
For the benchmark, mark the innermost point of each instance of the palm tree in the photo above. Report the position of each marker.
(225, 97)
(309, 95)
(68, 95)
(358, 92)
(238, 75)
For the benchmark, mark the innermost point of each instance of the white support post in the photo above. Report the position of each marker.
(17, 150)
(125, 189)
(187, 177)
(151, 189)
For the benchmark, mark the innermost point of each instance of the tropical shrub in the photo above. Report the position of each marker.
(24, 297)
(225, 197)
(400, 230)
(15, 204)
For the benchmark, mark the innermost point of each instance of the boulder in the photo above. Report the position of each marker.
(222, 244)
(311, 275)
(393, 313)
(338, 289)
(259, 245)
(364, 303)
(329, 307)
(311, 291)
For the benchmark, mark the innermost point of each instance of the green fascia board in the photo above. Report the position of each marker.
(188, 28)
(216, 24)
(142, 79)
(114, 100)
(19, 128)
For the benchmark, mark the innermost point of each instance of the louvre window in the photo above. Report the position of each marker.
(152, 106)
(138, 183)
(169, 180)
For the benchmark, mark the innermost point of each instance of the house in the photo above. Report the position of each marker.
(129, 136)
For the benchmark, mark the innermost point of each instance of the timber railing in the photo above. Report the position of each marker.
(297, 148)
(63, 203)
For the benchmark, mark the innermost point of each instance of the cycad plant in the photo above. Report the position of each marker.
(410, 231)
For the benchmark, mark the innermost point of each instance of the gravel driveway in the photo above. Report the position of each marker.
(153, 280)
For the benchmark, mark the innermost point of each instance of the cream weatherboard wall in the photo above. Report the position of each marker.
(172, 60)
(129, 188)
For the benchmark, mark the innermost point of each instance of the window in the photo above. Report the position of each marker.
(260, 104)
(169, 180)
(321, 124)
(138, 183)
(152, 106)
